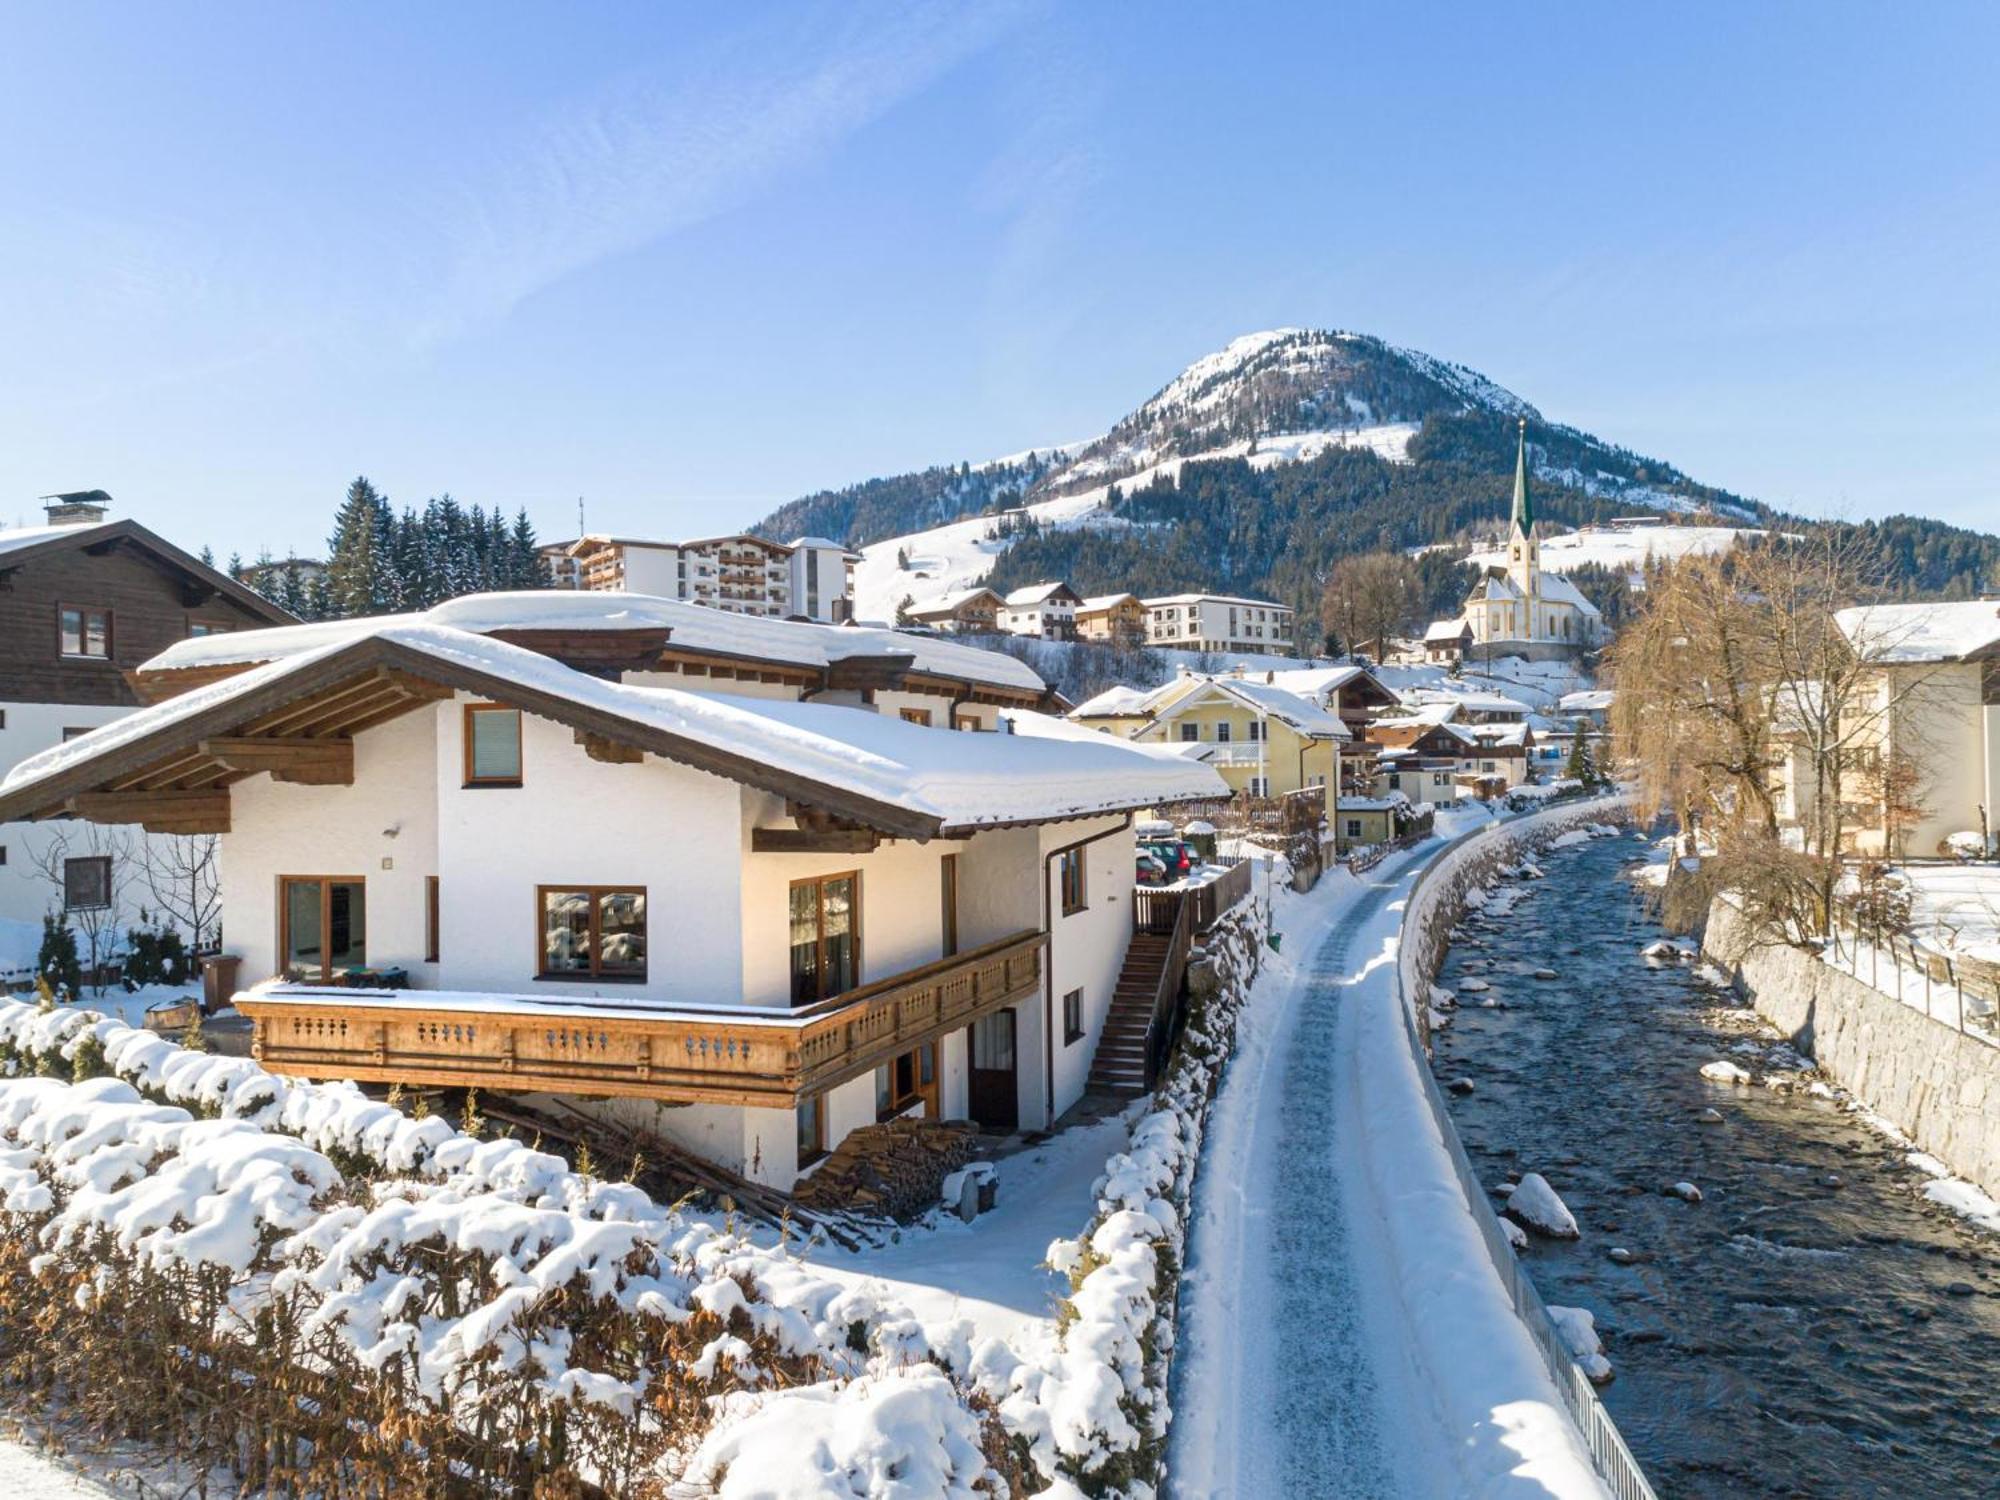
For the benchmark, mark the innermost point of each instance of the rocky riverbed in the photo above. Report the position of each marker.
(1804, 1322)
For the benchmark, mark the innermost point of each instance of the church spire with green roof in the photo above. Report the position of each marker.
(1524, 510)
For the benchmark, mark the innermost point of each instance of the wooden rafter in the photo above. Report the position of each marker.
(610, 751)
(300, 759)
(157, 812)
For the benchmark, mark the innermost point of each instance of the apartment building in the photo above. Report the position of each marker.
(1218, 622)
(809, 578)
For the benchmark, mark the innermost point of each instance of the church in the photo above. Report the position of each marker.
(1521, 610)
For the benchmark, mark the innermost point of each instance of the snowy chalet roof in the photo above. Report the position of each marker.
(1301, 714)
(1590, 700)
(21, 543)
(1039, 593)
(1096, 604)
(905, 780)
(1923, 632)
(1321, 683)
(1485, 703)
(1116, 701)
(695, 628)
(1447, 630)
(949, 604)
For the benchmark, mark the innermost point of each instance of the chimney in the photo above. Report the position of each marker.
(77, 508)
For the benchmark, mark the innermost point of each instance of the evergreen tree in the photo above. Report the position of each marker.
(207, 556)
(1582, 764)
(57, 961)
(359, 580)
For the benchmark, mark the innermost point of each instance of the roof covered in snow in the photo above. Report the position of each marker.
(20, 543)
(1098, 603)
(1165, 703)
(1116, 701)
(1446, 630)
(906, 779)
(695, 628)
(1215, 599)
(1592, 700)
(1041, 593)
(1923, 632)
(947, 604)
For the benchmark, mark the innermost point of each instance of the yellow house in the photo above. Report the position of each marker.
(1263, 740)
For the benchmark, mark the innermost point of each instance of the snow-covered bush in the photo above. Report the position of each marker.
(1094, 1413)
(338, 1298)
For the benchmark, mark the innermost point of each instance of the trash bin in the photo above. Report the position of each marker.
(1276, 940)
(218, 980)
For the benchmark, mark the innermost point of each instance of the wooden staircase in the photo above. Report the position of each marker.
(1120, 1064)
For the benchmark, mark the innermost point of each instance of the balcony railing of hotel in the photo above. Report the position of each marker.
(765, 1056)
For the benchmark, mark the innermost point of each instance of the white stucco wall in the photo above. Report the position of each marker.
(574, 821)
(1086, 951)
(25, 892)
(278, 829)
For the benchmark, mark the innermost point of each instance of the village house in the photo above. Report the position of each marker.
(1041, 609)
(1930, 700)
(1264, 740)
(1520, 610)
(966, 612)
(808, 578)
(1352, 692)
(1217, 622)
(83, 601)
(734, 880)
(1115, 619)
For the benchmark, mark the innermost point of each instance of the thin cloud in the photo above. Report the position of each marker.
(658, 154)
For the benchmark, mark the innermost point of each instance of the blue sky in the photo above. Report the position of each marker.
(689, 261)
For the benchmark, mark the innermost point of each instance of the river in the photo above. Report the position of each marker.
(1813, 1327)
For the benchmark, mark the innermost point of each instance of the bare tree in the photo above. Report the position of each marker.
(183, 874)
(94, 917)
(1756, 675)
(1371, 597)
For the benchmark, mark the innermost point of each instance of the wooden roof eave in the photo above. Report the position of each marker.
(347, 676)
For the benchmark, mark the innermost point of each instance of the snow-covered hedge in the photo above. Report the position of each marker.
(1093, 1414)
(337, 1297)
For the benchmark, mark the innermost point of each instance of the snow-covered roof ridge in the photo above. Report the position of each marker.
(948, 779)
(1946, 630)
(695, 627)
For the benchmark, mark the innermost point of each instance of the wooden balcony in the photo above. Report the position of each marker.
(735, 1055)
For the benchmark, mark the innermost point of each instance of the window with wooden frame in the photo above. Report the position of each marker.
(916, 716)
(1072, 1018)
(492, 745)
(83, 631)
(966, 723)
(825, 916)
(322, 925)
(1070, 867)
(198, 628)
(87, 883)
(591, 932)
(431, 919)
(811, 1116)
(905, 1080)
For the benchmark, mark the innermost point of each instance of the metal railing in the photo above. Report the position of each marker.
(1609, 1454)
(1951, 989)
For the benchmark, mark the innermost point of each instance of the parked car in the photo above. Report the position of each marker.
(1175, 855)
(1152, 870)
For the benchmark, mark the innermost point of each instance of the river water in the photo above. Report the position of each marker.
(1813, 1327)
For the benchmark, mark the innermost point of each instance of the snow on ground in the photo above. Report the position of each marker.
(990, 1271)
(1539, 684)
(1956, 908)
(959, 555)
(29, 1474)
(1627, 547)
(1336, 1282)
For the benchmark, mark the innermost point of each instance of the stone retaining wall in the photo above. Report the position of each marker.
(1939, 1088)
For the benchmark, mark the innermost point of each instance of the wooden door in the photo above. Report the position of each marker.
(993, 1096)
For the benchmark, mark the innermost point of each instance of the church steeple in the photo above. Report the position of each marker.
(1524, 510)
(1524, 551)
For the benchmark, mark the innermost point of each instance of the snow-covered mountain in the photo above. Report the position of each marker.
(1268, 400)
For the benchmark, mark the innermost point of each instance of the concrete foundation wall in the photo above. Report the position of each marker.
(1938, 1086)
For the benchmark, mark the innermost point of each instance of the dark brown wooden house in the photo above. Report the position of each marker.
(81, 605)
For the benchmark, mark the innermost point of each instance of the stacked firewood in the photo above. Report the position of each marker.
(894, 1170)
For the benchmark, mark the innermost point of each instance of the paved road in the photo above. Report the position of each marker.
(1281, 1386)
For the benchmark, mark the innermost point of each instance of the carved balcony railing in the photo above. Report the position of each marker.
(735, 1055)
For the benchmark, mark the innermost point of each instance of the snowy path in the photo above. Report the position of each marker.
(1284, 1386)
(29, 1474)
